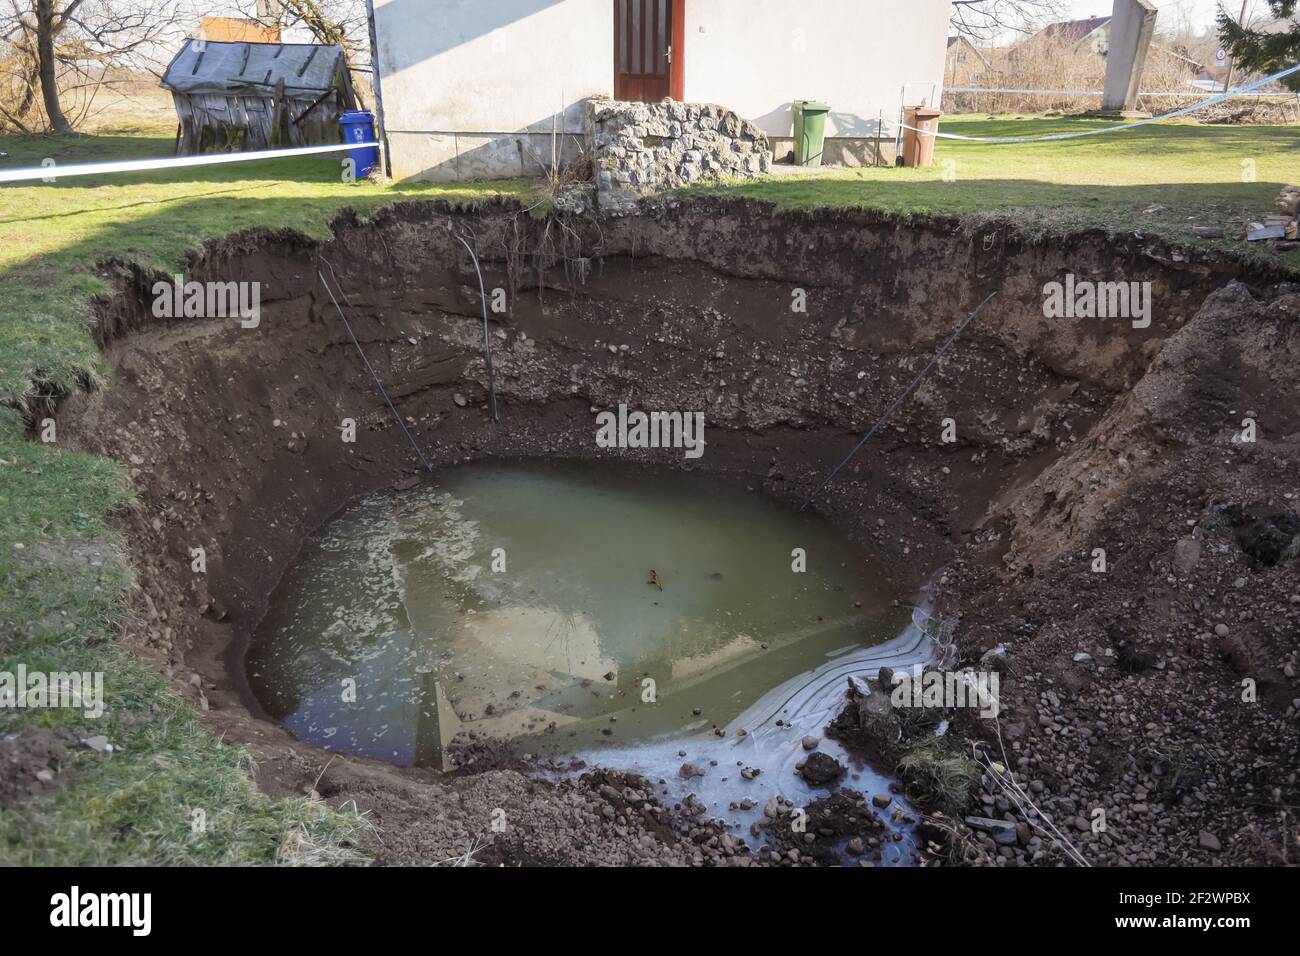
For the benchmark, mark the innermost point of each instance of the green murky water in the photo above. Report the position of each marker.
(514, 599)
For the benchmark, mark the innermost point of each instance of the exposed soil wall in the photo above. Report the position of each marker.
(1066, 430)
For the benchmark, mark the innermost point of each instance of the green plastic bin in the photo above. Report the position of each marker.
(809, 131)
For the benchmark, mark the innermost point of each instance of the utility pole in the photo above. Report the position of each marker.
(1227, 80)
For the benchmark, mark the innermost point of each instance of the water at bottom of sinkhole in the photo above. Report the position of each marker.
(518, 600)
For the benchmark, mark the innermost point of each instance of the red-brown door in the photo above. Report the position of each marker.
(648, 55)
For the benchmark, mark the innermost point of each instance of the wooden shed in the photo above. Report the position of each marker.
(242, 96)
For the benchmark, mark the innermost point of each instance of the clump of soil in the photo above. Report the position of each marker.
(821, 769)
(1071, 436)
(1271, 541)
(31, 763)
(839, 829)
(936, 771)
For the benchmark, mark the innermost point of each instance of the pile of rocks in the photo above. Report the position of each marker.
(644, 148)
(1283, 225)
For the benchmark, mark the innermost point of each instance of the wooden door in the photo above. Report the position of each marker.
(648, 55)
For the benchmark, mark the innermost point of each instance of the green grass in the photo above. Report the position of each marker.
(64, 580)
(63, 587)
(1109, 182)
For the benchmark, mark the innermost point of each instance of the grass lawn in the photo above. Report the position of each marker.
(1158, 179)
(63, 577)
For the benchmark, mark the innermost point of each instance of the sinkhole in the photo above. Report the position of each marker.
(557, 605)
(496, 587)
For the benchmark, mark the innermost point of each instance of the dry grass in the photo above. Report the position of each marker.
(938, 777)
(1048, 65)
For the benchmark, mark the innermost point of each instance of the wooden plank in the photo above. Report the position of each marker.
(314, 103)
(677, 82)
(307, 62)
(618, 48)
(660, 46)
(647, 36)
(661, 37)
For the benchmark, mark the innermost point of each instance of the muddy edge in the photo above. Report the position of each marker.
(1071, 436)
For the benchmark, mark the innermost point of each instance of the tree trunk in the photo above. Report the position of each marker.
(45, 56)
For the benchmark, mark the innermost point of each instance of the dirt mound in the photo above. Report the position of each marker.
(503, 817)
(1161, 690)
(838, 829)
(1227, 365)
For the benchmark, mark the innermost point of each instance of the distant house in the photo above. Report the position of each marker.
(965, 65)
(1092, 33)
(480, 88)
(238, 96)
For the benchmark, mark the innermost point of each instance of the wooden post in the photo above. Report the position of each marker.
(1232, 61)
(279, 117)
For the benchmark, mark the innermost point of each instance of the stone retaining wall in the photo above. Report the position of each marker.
(644, 148)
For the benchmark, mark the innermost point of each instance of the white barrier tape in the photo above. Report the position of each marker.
(1007, 89)
(174, 162)
(1218, 98)
(1002, 89)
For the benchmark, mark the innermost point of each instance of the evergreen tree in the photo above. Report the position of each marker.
(1265, 51)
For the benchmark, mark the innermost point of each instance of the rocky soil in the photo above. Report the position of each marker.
(1158, 696)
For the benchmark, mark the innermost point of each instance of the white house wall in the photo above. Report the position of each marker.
(757, 56)
(463, 79)
(460, 78)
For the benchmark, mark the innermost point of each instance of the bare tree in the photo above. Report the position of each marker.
(342, 23)
(336, 22)
(63, 47)
(48, 25)
(984, 21)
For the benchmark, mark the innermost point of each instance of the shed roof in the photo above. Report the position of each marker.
(213, 66)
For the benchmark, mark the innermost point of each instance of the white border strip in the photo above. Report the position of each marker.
(54, 173)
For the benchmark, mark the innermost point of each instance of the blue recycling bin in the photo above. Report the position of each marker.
(359, 127)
